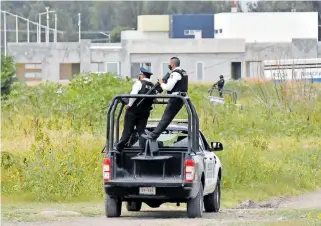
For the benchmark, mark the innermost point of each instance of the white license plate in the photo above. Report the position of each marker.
(147, 191)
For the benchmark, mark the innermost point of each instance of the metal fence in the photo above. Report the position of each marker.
(31, 29)
(231, 93)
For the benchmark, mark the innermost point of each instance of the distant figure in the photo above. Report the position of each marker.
(220, 85)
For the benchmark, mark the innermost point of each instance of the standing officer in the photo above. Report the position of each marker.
(220, 85)
(177, 84)
(137, 115)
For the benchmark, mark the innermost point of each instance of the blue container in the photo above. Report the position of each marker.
(183, 24)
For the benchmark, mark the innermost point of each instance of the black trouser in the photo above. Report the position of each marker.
(130, 121)
(220, 91)
(173, 107)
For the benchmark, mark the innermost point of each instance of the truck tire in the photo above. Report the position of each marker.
(195, 205)
(213, 200)
(134, 206)
(112, 206)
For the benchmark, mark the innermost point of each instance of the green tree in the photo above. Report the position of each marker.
(115, 34)
(8, 74)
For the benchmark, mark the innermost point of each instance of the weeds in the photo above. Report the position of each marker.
(52, 137)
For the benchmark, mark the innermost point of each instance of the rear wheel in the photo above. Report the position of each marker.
(212, 201)
(112, 206)
(195, 205)
(134, 206)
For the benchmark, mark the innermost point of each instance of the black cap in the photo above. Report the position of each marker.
(221, 76)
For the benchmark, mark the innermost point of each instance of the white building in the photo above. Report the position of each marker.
(267, 27)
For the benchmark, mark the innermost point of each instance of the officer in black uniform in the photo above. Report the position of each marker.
(220, 85)
(137, 115)
(177, 84)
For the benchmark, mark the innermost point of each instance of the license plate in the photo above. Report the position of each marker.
(147, 191)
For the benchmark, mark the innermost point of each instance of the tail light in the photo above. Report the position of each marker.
(189, 170)
(107, 169)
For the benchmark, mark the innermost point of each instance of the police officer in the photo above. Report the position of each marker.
(137, 115)
(177, 84)
(220, 85)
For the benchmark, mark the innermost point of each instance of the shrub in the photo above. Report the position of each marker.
(7, 74)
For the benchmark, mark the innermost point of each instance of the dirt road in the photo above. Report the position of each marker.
(281, 210)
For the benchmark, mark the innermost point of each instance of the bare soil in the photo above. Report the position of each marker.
(302, 210)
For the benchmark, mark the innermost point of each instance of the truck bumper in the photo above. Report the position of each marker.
(167, 192)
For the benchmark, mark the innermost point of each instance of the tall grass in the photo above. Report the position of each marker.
(51, 141)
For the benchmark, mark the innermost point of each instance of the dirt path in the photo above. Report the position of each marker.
(307, 201)
(253, 214)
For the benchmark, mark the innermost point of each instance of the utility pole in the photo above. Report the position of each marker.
(17, 29)
(47, 29)
(28, 34)
(79, 22)
(5, 33)
(55, 35)
(39, 29)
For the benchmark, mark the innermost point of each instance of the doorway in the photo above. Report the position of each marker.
(236, 70)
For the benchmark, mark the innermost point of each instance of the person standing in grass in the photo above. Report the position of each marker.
(220, 85)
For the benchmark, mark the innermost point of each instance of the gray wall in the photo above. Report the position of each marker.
(216, 54)
(298, 49)
(50, 56)
(214, 64)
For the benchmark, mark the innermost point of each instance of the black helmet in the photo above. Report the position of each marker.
(221, 76)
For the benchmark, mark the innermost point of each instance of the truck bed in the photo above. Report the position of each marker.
(166, 166)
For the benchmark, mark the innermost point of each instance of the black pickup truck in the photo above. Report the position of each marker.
(180, 167)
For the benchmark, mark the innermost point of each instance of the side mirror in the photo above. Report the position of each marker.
(216, 146)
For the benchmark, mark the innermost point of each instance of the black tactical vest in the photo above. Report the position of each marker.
(181, 85)
(145, 106)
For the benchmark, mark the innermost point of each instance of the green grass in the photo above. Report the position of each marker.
(51, 142)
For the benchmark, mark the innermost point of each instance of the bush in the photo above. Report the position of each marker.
(8, 74)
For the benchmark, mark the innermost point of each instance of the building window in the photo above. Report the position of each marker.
(187, 32)
(216, 31)
(135, 68)
(67, 70)
(94, 67)
(191, 32)
(113, 67)
(200, 70)
(101, 67)
(33, 75)
(97, 67)
(33, 66)
(29, 72)
(221, 30)
(165, 69)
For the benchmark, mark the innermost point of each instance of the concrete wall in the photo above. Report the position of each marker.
(297, 49)
(214, 64)
(50, 56)
(216, 55)
(134, 35)
(185, 46)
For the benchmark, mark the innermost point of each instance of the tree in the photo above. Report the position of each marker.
(8, 74)
(115, 34)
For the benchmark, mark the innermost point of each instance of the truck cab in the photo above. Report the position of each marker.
(180, 167)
